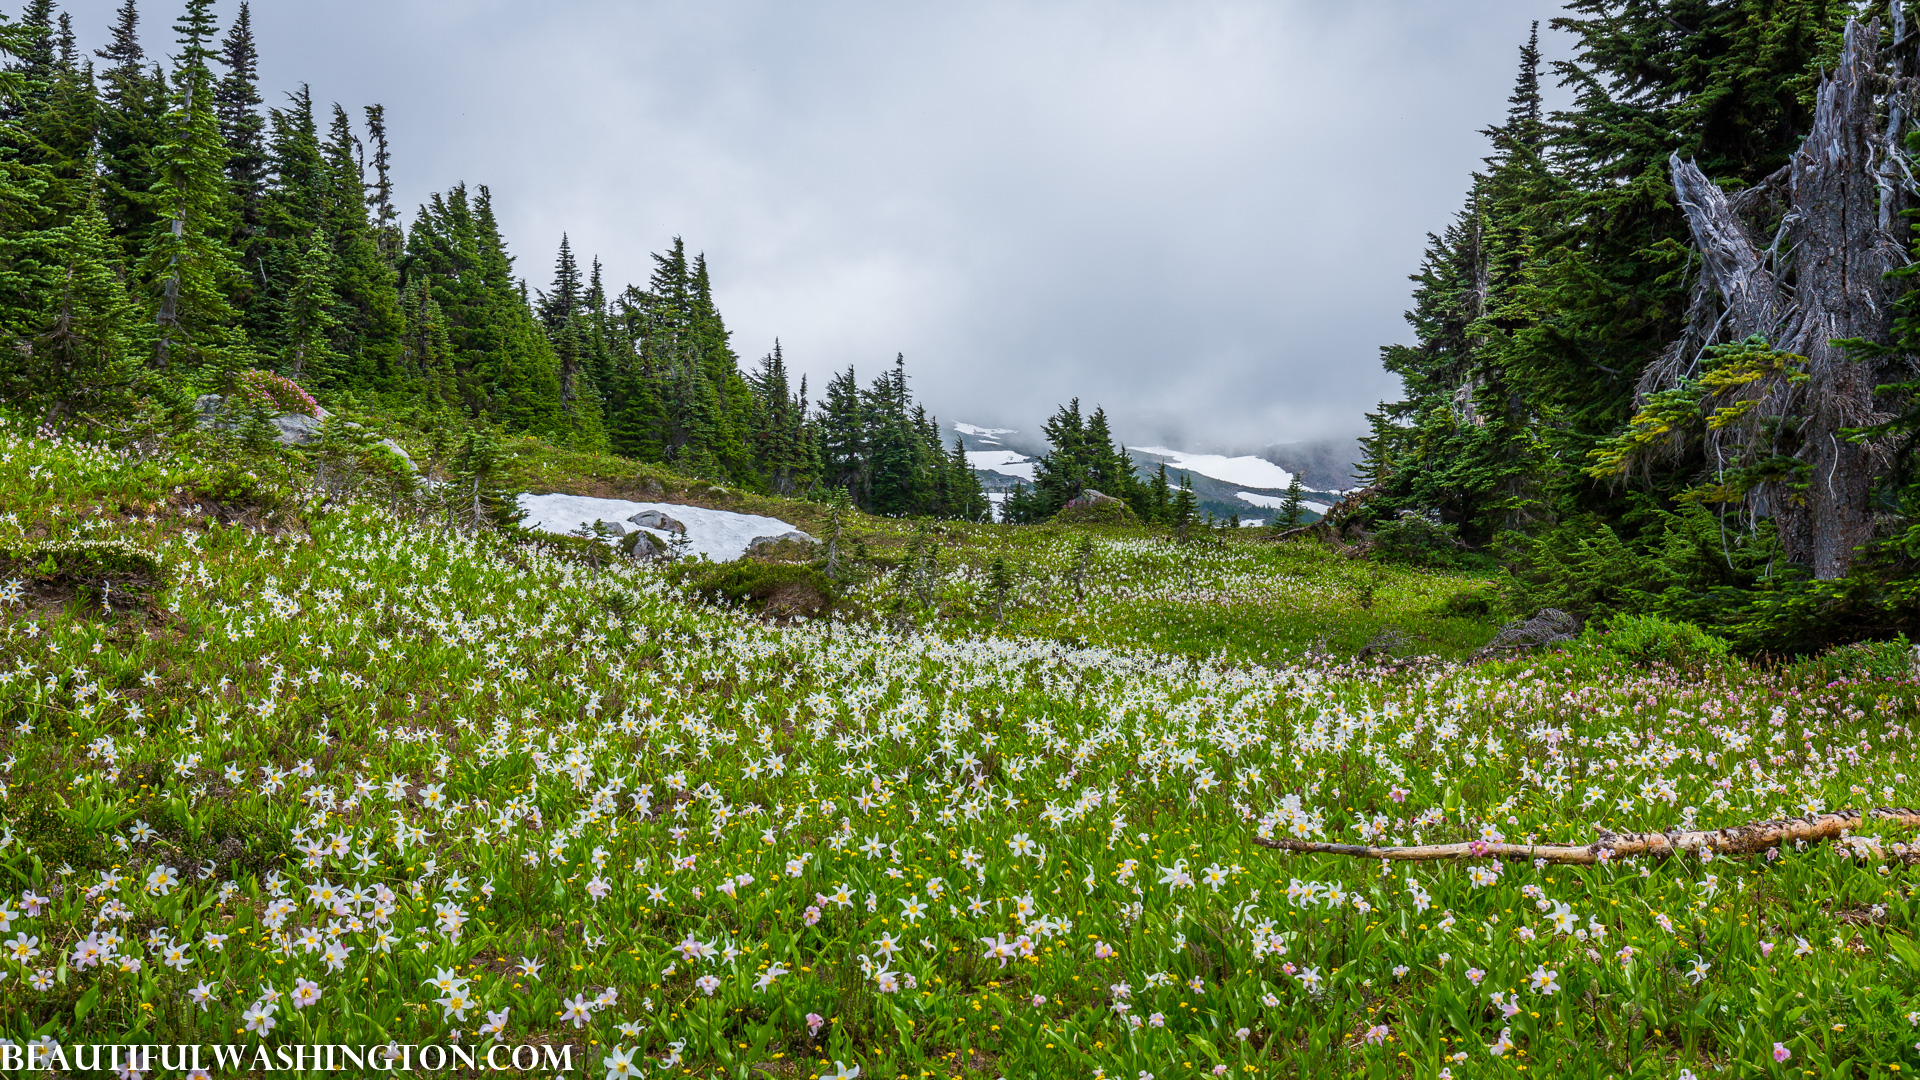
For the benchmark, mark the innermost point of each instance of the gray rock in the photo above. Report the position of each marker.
(767, 541)
(616, 528)
(289, 429)
(761, 543)
(405, 458)
(643, 545)
(654, 519)
(296, 429)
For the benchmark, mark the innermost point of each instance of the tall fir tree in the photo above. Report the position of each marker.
(186, 266)
(386, 220)
(243, 128)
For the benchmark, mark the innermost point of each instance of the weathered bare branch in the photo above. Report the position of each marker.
(1733, 261)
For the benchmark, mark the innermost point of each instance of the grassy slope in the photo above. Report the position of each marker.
(1229, 593)
(516, 759)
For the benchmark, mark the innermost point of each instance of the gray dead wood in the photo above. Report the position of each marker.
(1548, 626)
(1821, 278)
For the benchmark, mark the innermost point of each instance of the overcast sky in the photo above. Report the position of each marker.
(1199, 215)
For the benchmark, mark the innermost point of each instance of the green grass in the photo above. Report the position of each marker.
(547, 775)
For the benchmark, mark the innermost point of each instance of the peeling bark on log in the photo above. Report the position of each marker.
(1746, 839)
(1840, 226)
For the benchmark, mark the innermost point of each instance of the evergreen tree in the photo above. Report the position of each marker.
(843, 437)
(1291, 509)
(1083, 456)
(242, 128)
(133, 107)
(367, 315)
(558, 307)
(386, 220)
(307, 320)
(1185, 508)
(187, 265)
(782, 453)
(1159, 498)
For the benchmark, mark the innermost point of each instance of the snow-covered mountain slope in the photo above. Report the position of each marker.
(1004, 462)
(1275, 502)
(984, 434)
(1246, 471)
(1246, 485)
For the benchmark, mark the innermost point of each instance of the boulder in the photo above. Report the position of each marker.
(1091, 507)
(290, 429)
(296, 429)
(405, 458)
(654, 519)
(643, 545)
(768, 545)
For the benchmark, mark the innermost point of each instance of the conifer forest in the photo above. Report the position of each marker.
(421, 655)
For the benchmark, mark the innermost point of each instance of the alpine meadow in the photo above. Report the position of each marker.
(406, 661)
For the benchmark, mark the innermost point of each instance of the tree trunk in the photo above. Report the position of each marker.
(1840, 229)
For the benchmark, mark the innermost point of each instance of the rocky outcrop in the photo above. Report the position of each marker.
(656, 520)
(290, 429)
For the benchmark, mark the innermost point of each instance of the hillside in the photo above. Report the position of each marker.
(289, 760)
(1244, 486)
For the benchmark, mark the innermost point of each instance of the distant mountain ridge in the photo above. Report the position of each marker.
(1249, 486)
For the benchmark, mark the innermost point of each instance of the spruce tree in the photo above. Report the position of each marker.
(132, 109)
(386, 220)
(368, 315)
(187, 266)
(1291, 509)
(1182, 514)
(242, 127)
(307, 319)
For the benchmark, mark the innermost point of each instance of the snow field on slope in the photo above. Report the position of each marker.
(1275, 502)
(720, 535)
(1006, 462)
(1249, 471)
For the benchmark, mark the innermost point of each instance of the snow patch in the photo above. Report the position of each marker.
(1005, 462)
(720, 535)
(987, 459)
(990, 434)
(1247, 470)
(1271, 502)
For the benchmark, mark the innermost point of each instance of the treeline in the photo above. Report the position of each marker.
(1625, 379)
(1084, 456)
(163, 232)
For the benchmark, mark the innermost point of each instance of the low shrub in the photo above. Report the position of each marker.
(113, 573)
(1646, 639)
(772, 590)
(1479, 602)
(1859, 662)
(1415, 540)
(1099, 512)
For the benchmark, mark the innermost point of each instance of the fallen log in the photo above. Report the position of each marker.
(1746, 839)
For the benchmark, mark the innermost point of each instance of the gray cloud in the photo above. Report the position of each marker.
(1199, 215)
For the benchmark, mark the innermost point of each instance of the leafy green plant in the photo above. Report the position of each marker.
(1648, 639)
(1417, 540)
(775, 590)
